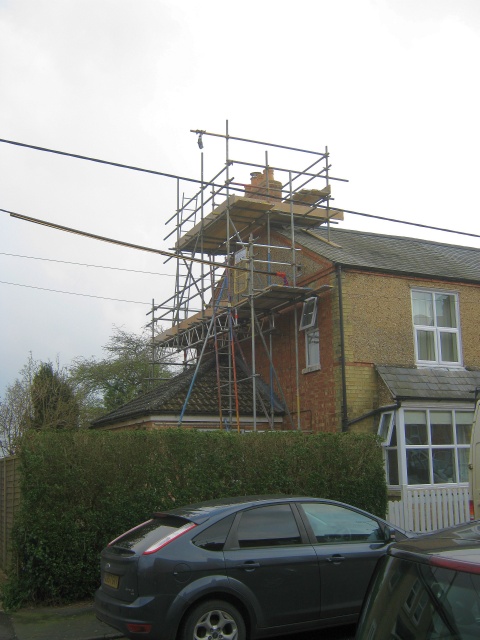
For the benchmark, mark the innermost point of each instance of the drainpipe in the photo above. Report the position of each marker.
(342, 350)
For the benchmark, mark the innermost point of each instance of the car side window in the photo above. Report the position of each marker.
(274, 525)
(213, 538)
(333, 524)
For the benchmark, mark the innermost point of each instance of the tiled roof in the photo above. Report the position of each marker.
(392, 253)
(430, 384)
(168, 398)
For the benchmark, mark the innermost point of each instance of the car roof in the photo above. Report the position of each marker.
(458, 544)
(202, 511)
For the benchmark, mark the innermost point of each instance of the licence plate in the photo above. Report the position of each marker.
(111, 580)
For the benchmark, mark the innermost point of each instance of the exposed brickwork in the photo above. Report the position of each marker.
(377, 318)
(378, 329)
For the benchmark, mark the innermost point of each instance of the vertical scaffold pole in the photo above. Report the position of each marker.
(295, 313)
(252, 322)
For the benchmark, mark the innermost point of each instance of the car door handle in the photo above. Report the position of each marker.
(249, 565)
(336, 558)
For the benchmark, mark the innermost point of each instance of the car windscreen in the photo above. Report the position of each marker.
(423, 601)
(145, 535)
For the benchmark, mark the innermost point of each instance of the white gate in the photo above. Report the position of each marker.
(423, 510)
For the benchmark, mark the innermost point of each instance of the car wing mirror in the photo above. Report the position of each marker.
(389, 534)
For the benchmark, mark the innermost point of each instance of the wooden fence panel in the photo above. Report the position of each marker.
(9, 502)
(424, 510)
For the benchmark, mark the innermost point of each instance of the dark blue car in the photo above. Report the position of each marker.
(241, 568)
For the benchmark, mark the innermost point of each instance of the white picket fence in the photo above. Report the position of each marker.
(423, 510)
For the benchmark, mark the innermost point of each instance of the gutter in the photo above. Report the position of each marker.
(374, 412)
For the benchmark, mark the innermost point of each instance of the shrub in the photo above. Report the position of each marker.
(81, 489)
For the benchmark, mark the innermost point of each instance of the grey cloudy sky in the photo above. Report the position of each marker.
(391, 86)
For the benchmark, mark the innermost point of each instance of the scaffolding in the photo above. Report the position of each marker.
(231, 281)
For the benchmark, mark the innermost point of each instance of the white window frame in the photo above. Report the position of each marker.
(437, 331)
(402, 447)
(386, 428)
(312, 365)
(309, 313)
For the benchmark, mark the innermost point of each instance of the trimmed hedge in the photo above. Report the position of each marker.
(81, 489)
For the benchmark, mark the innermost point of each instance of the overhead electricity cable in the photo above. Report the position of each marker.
(121, 243)
(106, 162)
(71, 293)
(84, 264)
(411, 224)
(231, 187)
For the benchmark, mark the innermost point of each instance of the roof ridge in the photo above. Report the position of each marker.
(386, 235)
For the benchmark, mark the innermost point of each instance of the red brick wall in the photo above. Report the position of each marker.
(317, 389)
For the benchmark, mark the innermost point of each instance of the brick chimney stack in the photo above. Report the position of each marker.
(263, 186)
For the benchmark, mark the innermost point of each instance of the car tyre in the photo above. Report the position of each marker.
(214, 619)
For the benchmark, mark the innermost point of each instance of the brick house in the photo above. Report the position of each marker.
(358, 331)
(394, 348)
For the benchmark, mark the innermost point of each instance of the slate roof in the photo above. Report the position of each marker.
(168, 398)
(430, 384)
(392, 253)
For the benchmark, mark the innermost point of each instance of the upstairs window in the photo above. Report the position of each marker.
(436, 327)
(309, 313)
(312, 350)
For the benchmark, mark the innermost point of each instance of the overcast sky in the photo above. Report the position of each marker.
(390, 86)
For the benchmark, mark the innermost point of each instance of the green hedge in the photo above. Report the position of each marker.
(81, 489)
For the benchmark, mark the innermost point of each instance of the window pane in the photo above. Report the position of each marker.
(463, 455)
(384, 425)
(448, 347)
(214, 538)
(426, 345)
(268, 526)
(337, 524)
(309, 313)
(392, 467)
(445, 310)
(313, 347)
(393, 439)
(418, 466)
(443, 465)
(416, 427)
(463, 420)
(422, 308)
(441, 427)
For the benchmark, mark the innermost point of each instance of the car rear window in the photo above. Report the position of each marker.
(423, 601)
(145, 535)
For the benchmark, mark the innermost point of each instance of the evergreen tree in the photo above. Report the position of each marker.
(53, 401)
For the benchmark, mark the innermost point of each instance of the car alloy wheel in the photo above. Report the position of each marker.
(214, 620)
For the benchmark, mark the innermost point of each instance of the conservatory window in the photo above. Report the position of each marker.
(387, 432)
(437, 444)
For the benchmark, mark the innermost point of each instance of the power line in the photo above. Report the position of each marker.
(97, 160)
(83, 264)
(139, 247)
(71, 293)
(202, 183)
(411, 224)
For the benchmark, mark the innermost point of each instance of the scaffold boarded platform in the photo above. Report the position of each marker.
(243, 214)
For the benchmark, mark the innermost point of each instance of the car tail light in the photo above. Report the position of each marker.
(133, 627)
(167, 539)
(455, 565)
